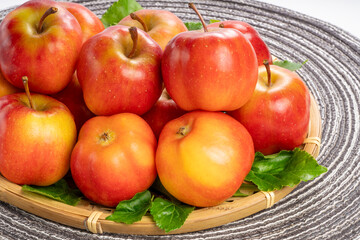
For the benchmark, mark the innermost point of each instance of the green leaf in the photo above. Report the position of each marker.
(193, 26)
(59, 191)
(118, 11)
(245, 190)
(238, 193)
(292, 66)
(169, 215)
(158, 187)
(197, 25)
(286, 168)
(214, 20)
(130, 211)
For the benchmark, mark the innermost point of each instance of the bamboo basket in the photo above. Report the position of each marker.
(91, 217)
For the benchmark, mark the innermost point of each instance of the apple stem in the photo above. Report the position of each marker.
(267, 66)
(192, 6)
(48, 12)
(221, 25)
(134, 36)
(137, 18)
(165, 94)
(27, 91)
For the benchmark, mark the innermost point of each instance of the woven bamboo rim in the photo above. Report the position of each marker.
(92, 217)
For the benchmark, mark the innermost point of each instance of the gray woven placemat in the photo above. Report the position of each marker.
(326, 208)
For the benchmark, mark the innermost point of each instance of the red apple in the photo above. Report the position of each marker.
(203, 157)
(41, 40)
(6, 88)
(36, 139)
(120, 71)
(114, 158)
(214, 70)
(164, 110)
(260, 47)
(72, 97)
(89, 22)
(161, 25)
(277, 115)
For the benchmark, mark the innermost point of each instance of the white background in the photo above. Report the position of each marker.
(342, 13)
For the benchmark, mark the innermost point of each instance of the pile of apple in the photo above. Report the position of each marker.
(199, 136)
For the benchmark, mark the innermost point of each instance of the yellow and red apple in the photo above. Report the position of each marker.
(36, 139)
(277, 115)
(114, 158)
(203, 157)
(161, 25)
(89, 22)
(214, 69)
(7, 88)
(41, 40)
(261, 49)
(119, 71)
(164, 110)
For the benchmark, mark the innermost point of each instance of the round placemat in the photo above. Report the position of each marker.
(325, 208)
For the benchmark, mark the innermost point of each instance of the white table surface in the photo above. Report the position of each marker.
(344, 14)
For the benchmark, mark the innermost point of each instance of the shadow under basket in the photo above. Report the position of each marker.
(91, 217)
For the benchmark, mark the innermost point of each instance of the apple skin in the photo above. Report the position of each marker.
(112, 170)
(164, 110)
(89, 22)
(261, 49)
(6, 88)
(277, 117)
(223, 82)
(48, 59)
(72, 97)
(35, 145)
(162, 25)
(203, 157)
(113, 83)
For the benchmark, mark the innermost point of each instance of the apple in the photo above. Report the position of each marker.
(203, 157)
(40, 40)
(164, 110)
(213, 70)
(6, 88)
(261, 49)
(37, 135)
(72, 97)
(119, 70)
(89, 22)
(277, 115)
(114, 158)
(161, 25)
